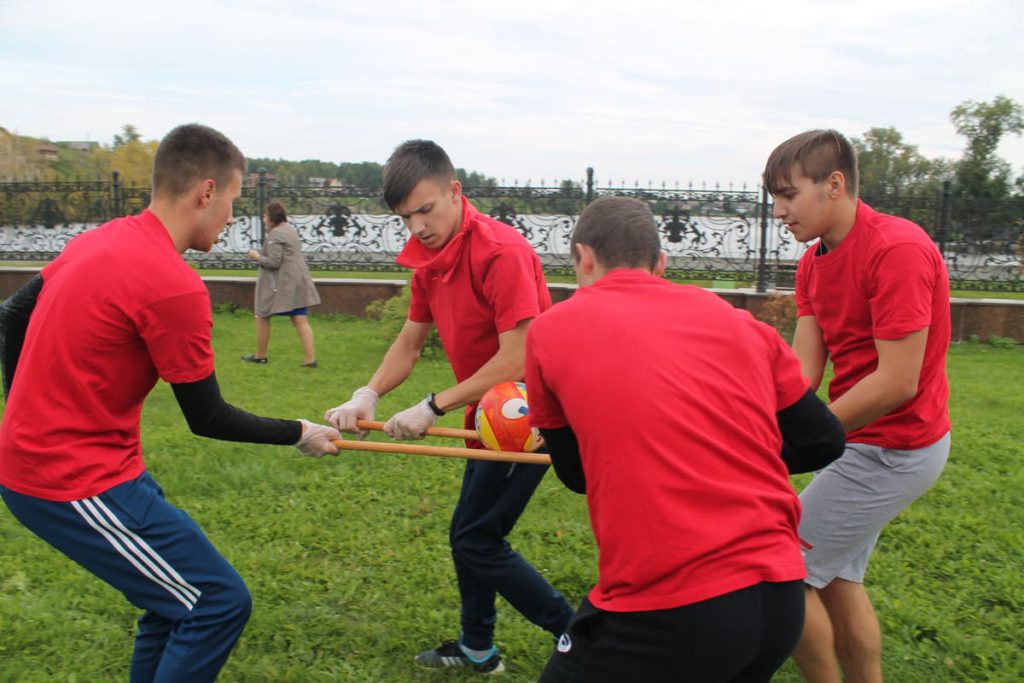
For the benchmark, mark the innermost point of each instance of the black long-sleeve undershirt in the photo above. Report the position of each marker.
(812, 437)
(564, 451)
(209, 415)
(14, 315)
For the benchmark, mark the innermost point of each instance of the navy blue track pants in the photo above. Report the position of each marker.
(196, 605)
(493, 496)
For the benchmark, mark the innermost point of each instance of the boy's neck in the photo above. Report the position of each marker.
(844, 216)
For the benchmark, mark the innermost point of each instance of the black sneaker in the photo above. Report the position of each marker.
(253, 359)
(449, 655)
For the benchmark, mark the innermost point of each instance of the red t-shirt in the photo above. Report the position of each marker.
(118, 309)
(672, 394)
(884, 281)
(485, 281)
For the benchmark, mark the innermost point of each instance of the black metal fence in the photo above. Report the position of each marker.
(716, 234)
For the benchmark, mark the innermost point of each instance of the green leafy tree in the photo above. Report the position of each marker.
(984, 215)
(362, 174)
(356, 174)
(474, 179)
(981, 172)
(134, 161)
(889, 165)
(128, 134)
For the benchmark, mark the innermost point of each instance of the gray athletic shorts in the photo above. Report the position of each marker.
(847, 504)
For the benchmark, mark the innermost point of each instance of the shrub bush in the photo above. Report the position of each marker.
(392, 314)
(779, 311)
(1002, 342)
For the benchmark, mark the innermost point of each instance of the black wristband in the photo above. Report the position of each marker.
(432, 405)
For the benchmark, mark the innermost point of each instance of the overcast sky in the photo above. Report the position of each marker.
(674, 90)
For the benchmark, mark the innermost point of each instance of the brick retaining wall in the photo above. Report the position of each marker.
(982, 317)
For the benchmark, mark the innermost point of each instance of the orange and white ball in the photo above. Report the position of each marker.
(502, 419)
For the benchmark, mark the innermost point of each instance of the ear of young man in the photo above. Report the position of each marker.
(586, 264)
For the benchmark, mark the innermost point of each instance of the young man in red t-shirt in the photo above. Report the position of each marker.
(83, 344)
(479, 281)
(688, 488)
(873, 296)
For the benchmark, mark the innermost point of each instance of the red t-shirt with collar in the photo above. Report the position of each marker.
(484, 281)
(672, 394)
(885, 280)
(119, 308)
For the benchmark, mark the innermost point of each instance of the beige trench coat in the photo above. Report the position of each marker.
(283, 283)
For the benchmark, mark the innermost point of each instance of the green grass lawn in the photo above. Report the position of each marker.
(348, 562)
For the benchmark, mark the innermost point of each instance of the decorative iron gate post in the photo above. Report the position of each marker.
(590, 184)
(762, 252)
(261, 198)
(116, 189)
(944, 212)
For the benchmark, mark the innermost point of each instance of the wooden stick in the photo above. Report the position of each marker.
(431, 431)
(444, 451)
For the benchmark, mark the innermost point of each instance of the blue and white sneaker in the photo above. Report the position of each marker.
(450, 654)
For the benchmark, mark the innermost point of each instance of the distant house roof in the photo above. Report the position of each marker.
(83, 145)
(254, 179)
(48, 151)
(316, 181)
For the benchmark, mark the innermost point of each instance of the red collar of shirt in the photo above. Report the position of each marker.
(415, 255)
(629, 276)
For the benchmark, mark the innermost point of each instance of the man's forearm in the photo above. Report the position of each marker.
(209, 415)
(394, 369)
(893, 383)
(875, 396)
(809, 348)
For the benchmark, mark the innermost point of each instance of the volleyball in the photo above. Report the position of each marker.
(502, 419)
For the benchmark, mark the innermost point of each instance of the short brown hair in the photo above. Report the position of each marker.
(819, 153)
(411, 162)
(276, 213)
(621, 231)
(191, 153)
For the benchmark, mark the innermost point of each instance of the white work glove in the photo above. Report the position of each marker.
(362, 406)
(411, 423)
(317, 440)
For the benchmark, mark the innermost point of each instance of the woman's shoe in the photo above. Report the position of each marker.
(253, 359)
(310, 364)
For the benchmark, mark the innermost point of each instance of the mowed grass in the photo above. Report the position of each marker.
(348, 562)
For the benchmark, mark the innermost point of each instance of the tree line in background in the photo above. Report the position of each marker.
(889, 164)
(355, 174)
(29, 158)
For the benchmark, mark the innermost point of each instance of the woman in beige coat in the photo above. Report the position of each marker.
(284, 286)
